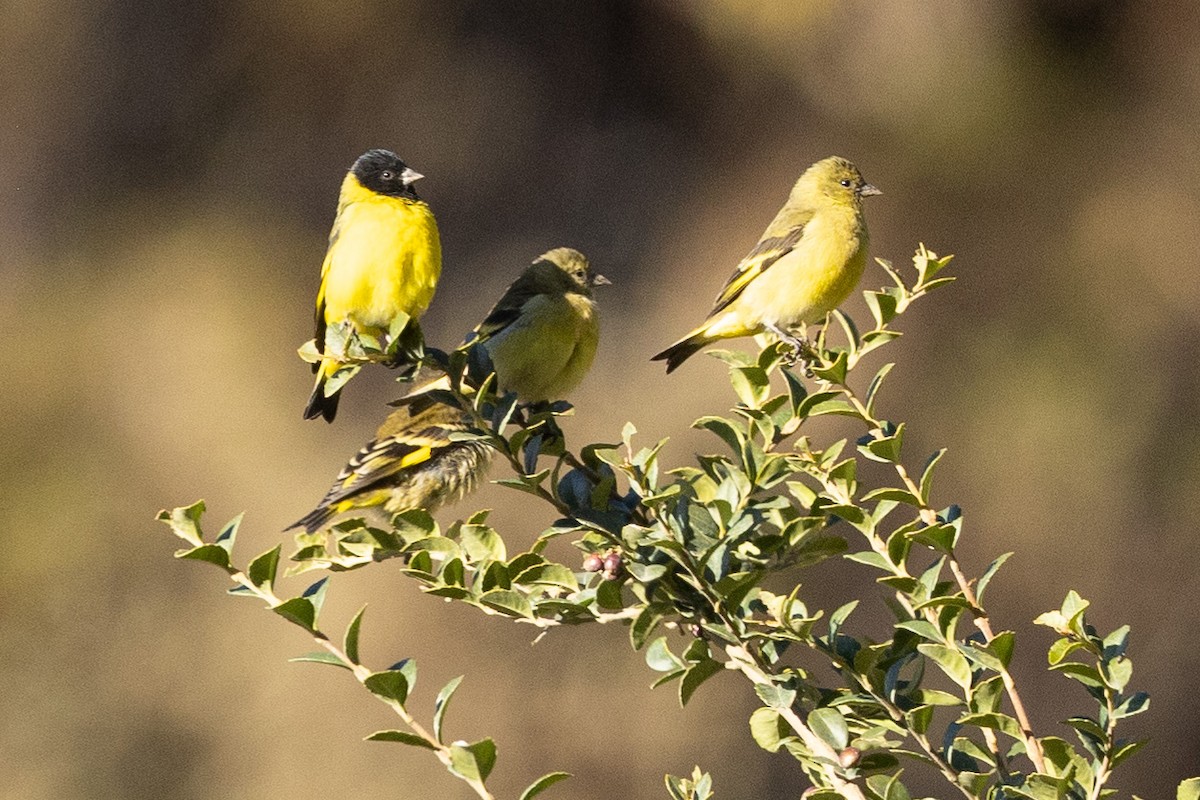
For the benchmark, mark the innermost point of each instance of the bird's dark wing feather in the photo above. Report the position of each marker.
(756, 262)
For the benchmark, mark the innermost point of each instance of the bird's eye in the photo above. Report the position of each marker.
(845, 182)
(387, 175)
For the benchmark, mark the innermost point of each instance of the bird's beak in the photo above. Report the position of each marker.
(867, 190)
(410, 176)
(600, 280)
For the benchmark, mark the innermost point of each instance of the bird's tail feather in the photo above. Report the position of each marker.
(318, 404)
(682, 350)
(313, 520)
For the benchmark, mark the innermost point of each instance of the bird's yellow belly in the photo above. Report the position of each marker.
(548, 358)
(386, 260)
(807, 283)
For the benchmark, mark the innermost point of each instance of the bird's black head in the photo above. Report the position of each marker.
(382, 171)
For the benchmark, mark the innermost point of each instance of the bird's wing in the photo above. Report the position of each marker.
(508, 309)
(757, 261)
(380, 460)
(333, 237)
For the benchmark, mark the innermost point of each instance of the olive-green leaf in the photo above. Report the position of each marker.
(473, 762)
(403, 737)
(508, 602)
(769, 729)
(350, 642)
(830, 726)
(951, 662)
(391, 685)
(300, 611)
(442, 704)
(543, 783)
(261, 571)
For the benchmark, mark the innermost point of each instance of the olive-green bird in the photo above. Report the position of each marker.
(541, 338)
(542, 334)
(384, 259)
(807, 262)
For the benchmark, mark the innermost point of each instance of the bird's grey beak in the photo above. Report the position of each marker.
(867, 190)
(410, 176)
(600, 280)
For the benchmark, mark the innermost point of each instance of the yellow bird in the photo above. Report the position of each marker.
(541, 337)
(807, 262)
(383, 261)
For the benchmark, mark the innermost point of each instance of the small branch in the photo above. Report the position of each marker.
(361, 673)
(1032, 746)
(744, 662)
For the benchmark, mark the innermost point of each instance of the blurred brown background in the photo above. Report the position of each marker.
(168, 176)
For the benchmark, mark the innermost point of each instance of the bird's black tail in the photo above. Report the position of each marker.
(681, 351)
(318, 404)
(314, 520)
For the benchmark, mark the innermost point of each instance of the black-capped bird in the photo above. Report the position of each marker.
(383, 261)
(807, 262)
(541, 338)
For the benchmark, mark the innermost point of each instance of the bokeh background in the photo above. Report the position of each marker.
(168, 174)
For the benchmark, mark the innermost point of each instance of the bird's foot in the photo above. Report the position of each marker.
(803, 353)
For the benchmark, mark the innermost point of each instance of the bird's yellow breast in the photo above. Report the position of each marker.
(811, 280)
(385, 257)
(546, 354)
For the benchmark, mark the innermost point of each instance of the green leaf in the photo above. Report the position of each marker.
(830, 726)
(647, 620)
(1001, 722)
(988, 574)
(473, 762)
(891, 493)
(1125, 750)
(299, 611)
(835, 371)
(261, 571)
(350, 642)
(919, 718)
(542, 784)
(660, 658)
(695, 675)
(887, 787)
(1117, 672)
(951, 662)
(923, 628)
(184, 522)
(320, 657)
(228, 533)
(882, 306)
(1062, 648)
(751, 385)
(403, 737)
(442, 704)
(1134, 704)
(1084, 673)
(769, 729)
(775, 696)
(884, 447)
(927, 475)
(482, 543)
(1188, 790)
(508, 603)
(548, 575)
(212, 553)
(390, 685)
